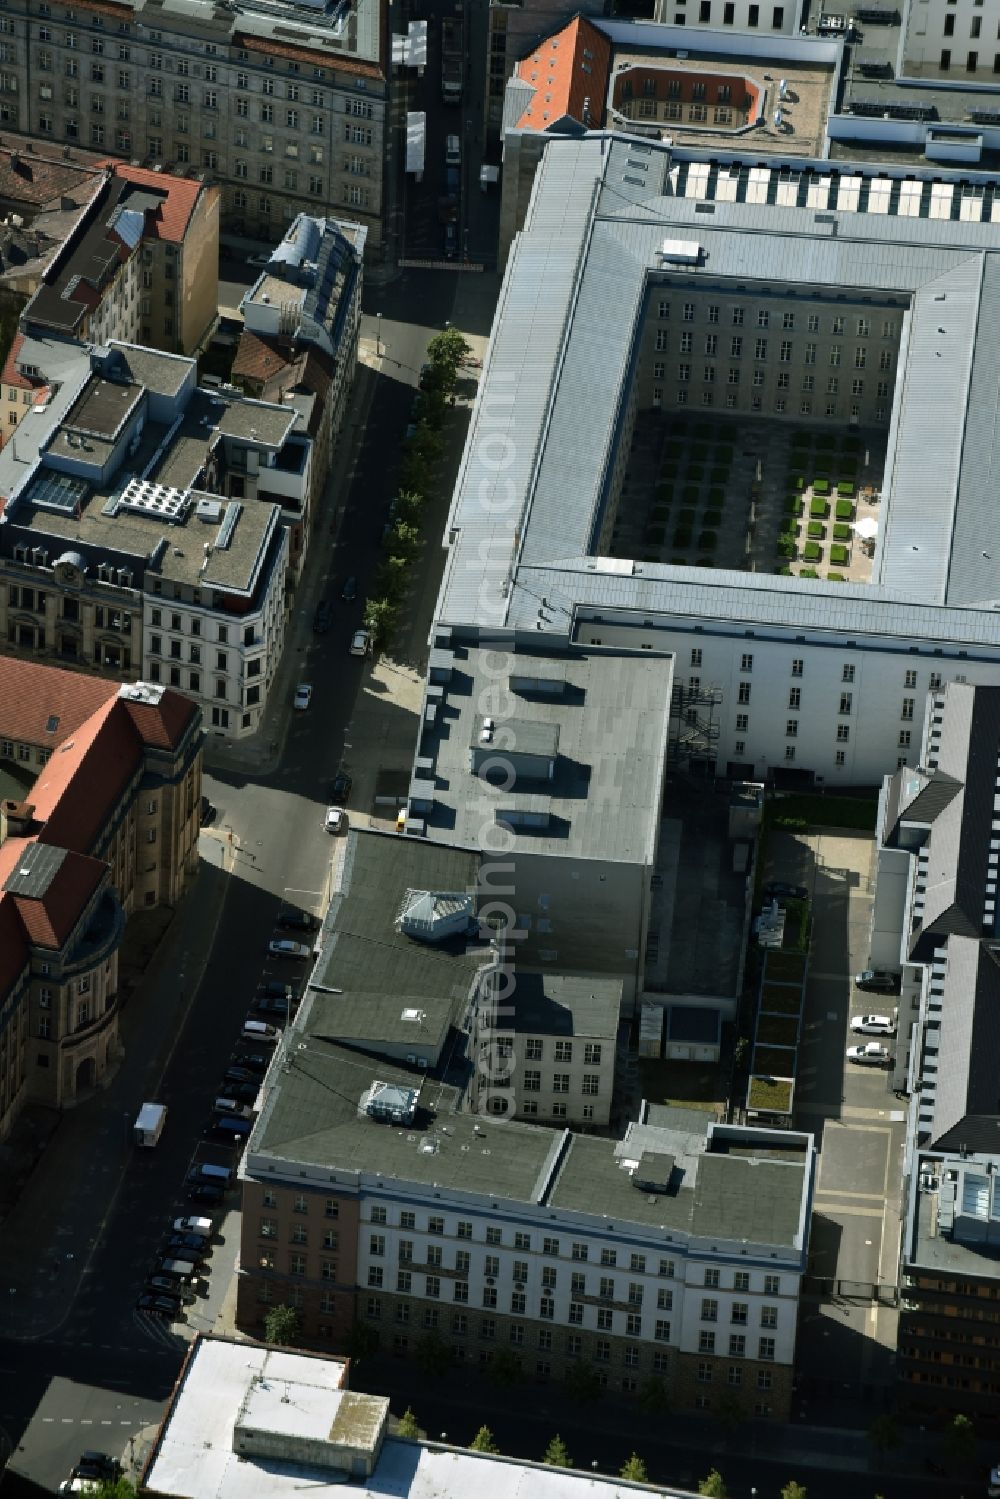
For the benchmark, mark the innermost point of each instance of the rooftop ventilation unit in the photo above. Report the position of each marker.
(680, 251)
(390, 1103)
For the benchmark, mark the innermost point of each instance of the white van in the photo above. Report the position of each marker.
(452, 151)
(257, 1030)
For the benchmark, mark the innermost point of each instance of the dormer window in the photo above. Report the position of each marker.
(20, 554)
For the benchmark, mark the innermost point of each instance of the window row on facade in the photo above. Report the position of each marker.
(835, 324)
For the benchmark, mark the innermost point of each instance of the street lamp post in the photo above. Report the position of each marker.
(378, 335)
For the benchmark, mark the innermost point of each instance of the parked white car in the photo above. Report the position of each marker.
(872, 1054)
(335, 819)
(281, 947)
(202, 1226)
(303, 697)
(874, 1025)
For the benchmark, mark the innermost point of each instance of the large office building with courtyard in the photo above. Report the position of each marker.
(743, 415)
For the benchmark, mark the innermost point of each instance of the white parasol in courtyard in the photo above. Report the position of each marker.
(867, 529)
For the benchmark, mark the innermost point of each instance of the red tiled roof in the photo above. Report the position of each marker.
(161, 724)
(32, 694)
(77, 790)
(563, 77)
(315, 56)
(258, 358)
(171, 219)
(48, 919)
(10, 374)
(28, 178)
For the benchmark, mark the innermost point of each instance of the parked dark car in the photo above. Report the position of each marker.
(323, 617)
(165, 1285)
(231, 1127)
(206, 1192)
(268, 1005)
(239, 1074)
(775, 889)
(450, 241)
(185, 1245)
(277, 989)
(242, 1092)
(97, 1465)
(253, 1061)
(160, 1306)
(349, 592)
(298, 921)
(340, 788)
(877, 981)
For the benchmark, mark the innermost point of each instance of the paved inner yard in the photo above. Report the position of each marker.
(857, 1122)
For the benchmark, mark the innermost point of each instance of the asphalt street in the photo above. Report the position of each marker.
(281, 856)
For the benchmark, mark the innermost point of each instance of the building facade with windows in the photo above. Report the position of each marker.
(284, 111)
(178, 256)
(674, 1255)
(108, 823)
(145, 529)
(548, 1053)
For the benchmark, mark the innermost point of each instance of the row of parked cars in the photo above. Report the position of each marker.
(178, 1273)
(874, 1053)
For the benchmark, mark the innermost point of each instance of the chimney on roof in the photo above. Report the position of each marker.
(15, 819)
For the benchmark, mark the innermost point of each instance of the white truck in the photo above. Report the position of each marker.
(149, 1123)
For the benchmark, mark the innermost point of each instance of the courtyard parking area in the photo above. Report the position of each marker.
(753, 496)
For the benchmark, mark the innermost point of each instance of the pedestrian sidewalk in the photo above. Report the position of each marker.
(51, 1234)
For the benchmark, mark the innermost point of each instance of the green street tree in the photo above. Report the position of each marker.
(653, 1396)
(634, 1469)
(731, 1411)
(557, 1454)
(505, 1368)
(883, 1433)
(582, 1384)
(415, 474)
(714, 1486)
(282, 1325)
(407, 1425)
(362, 1343)
(483, 1441)
(390, 580)
(960, 1439)
(404, 541)
(409, 507)
(380, 618)
(433, 1354)
(427, 443)
(448, 348)
(120, 1488)
(793, 1490)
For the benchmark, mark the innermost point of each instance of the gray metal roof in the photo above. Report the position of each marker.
(612, 723)
(365, 953)
(967, 1092)
(557, 1004)
(961, 833)
(527, 502)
